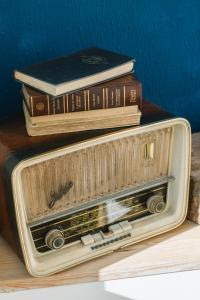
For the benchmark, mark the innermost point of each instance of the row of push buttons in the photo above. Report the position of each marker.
(114, 230)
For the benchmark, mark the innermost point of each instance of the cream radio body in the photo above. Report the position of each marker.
(89, 198)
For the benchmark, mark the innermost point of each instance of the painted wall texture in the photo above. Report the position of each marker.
(163, 37)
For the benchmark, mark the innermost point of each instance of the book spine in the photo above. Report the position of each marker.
(89, 99)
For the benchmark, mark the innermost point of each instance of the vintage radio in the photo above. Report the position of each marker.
(70, 198)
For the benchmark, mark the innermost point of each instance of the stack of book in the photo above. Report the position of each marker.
(90, 89)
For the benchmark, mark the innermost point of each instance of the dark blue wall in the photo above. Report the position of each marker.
(163, 36)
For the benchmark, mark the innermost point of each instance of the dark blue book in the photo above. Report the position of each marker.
(75, 71)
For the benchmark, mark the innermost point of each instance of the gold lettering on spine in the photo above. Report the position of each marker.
(88, 93)
(133, 95)
(124, 95)
(103, 98)
(64, 104)
(112, 99)
(118, 97)
(73, 103)
(67, 103)
(48, 105)
(85, 103)
(106, 97)
(31, 105)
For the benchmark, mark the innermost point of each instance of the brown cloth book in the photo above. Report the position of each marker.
(120, 92)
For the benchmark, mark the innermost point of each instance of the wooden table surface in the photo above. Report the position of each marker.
(177, 250)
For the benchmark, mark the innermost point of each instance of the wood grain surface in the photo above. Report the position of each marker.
(177, 250)
(194, 201)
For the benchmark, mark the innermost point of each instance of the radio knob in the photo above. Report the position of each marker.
(156, 204)
(54, 239)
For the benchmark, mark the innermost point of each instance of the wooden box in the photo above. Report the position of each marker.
(194, 198)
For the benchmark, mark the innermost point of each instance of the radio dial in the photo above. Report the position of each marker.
(54, 239)
(156, 204)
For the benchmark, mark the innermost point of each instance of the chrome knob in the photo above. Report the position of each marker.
(54, 239)
(156, 204)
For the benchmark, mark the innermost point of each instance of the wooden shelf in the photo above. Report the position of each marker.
(177, 250)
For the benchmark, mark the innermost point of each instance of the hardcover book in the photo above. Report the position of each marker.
(75, 71)
(119, 92)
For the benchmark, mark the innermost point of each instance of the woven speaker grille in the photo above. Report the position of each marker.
(95, 171)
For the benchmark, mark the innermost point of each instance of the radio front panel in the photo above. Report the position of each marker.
(82, 201)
